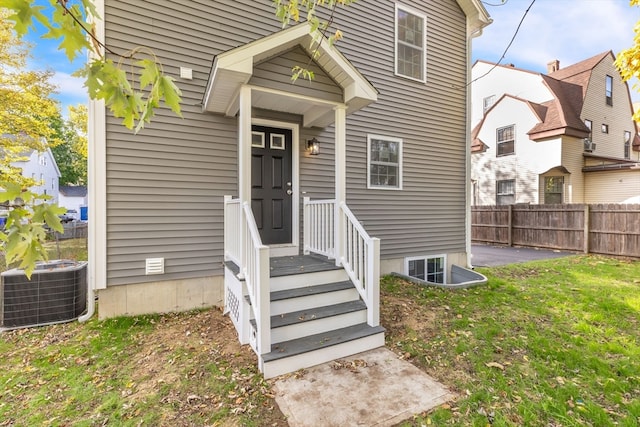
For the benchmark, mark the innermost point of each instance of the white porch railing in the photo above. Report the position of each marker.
(319, 227)
(256, 276)
(361, 260)
(359, 253)
(244, 247)
(232, 217)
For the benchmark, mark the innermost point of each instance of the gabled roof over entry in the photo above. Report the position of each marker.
(234, 68)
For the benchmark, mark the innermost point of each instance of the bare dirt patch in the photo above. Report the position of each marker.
(198, 366)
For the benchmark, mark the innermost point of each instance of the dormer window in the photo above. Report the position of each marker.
(608, 90)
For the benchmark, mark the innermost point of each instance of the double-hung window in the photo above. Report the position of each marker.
(506, 192)
(505, 140)
(411, 43)
(553, 189)
(384, 162)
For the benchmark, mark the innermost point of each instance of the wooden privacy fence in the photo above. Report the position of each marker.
(72, 230)
(611, 229)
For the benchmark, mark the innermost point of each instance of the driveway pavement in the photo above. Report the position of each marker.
(491, 256)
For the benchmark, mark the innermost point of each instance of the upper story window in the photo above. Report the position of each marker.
(608, 90)
(411, 43)
(488, 102)
(627, 144)
(505, 140)
(384, 162)
(605, 128)
(589, 124)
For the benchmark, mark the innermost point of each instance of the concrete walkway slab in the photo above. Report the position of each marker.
(374, 388)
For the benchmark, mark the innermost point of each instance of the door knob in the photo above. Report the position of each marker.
(289, 191)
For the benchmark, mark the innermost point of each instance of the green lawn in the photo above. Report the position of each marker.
(543, 344)
(75, 249)
(550, 343)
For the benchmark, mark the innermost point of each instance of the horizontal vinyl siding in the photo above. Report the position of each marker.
(616, 116)
(165, 185)
(276, 73)
(572, 160)
(612, 186)
(428, 214)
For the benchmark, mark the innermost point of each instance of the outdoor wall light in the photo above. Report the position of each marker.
(313, 147)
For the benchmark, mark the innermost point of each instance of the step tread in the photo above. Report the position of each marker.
(300, 264)
(318, 341)
(301, 316)
(307, 291)
(310, 290)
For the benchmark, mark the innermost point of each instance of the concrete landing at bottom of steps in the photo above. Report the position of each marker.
(374, 388)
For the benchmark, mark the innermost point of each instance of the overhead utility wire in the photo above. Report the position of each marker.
(508, 46)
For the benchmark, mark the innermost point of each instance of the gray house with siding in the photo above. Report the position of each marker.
(362, 171)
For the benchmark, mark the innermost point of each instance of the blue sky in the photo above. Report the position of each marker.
(47, 56)
(567, 30)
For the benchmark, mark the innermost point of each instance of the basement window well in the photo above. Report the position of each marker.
(431, 269)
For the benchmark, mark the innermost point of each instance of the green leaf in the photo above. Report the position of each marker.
(171, 94)
(24, 13)
(11, 191)
(150, 73)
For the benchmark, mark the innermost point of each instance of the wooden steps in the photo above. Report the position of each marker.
(317, 316)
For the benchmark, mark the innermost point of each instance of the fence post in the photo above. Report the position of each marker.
(586, 229)
(510, 226)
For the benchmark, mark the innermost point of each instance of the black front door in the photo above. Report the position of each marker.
(271, 186)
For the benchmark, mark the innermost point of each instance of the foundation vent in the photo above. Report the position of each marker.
(154, 266)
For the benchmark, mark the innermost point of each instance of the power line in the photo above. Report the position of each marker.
(508, 46)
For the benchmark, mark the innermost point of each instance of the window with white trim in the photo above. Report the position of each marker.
(384, 162)
(553, 190)
(506, 192)
(411, 43)
(428, 268)
(627, 144)
(488, 102)
(505, 141)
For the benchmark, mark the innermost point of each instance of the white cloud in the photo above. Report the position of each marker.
(568, 30)
(70, 90)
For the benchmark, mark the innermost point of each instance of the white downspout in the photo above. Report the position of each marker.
(97, 233)
(471, 34)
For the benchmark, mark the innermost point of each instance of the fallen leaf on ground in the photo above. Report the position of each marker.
(494, 365)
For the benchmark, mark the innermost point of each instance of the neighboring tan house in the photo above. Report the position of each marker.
(74, 198)
(567, 136)
(42, 167)
(360, 172)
